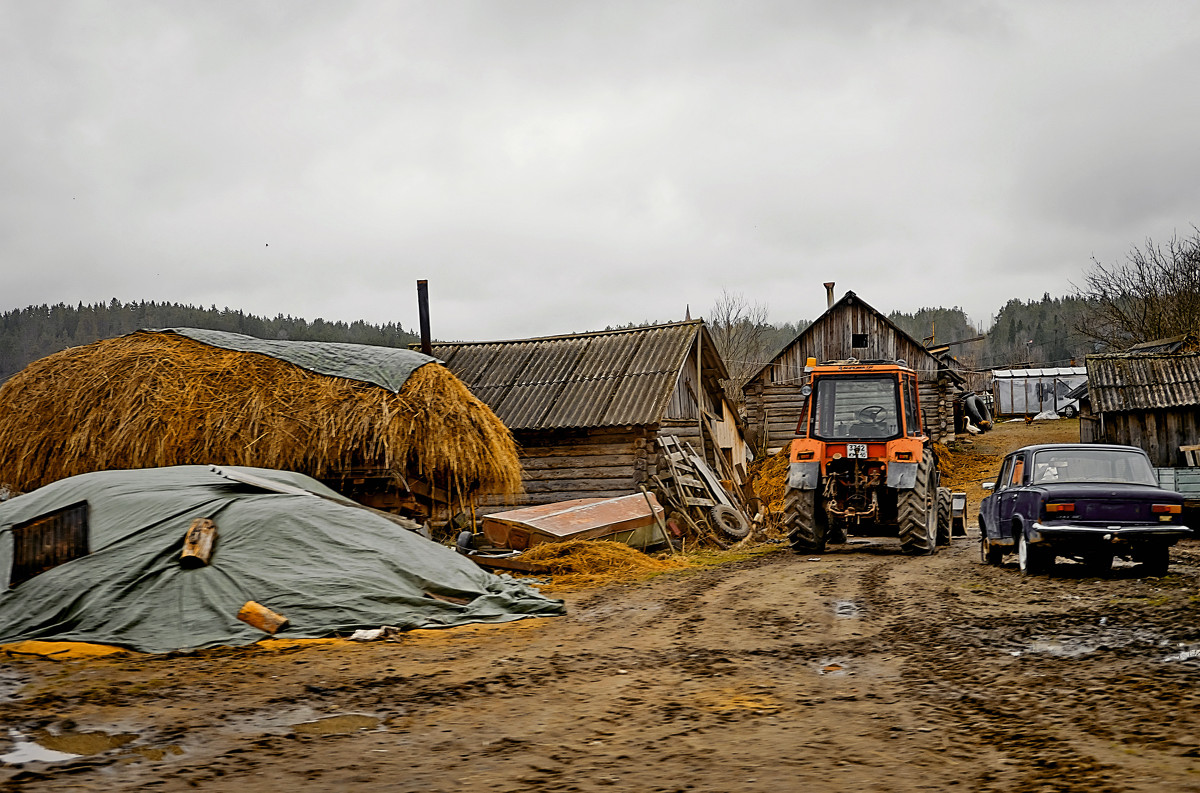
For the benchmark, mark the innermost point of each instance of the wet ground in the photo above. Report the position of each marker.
(860, 669)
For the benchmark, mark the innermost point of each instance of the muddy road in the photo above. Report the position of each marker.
(857, 670)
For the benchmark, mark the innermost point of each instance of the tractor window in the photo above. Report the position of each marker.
(912, 413)
(802, 427)
(856, 408)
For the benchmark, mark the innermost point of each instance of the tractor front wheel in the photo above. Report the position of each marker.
(804, 521)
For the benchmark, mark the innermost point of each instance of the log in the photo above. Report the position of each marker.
(588, 461)
(198, 543)
(259, 616)
(571, 472)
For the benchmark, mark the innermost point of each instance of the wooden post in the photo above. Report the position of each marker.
(259, 616)
(198, 543)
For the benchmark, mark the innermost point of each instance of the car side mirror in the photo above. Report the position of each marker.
(988, 485)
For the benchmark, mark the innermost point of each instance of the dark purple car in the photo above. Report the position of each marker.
(1082, 500)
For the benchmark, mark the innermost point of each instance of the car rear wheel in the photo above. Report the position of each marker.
(988, 553)
(1155, 559)
(1031, 559)
(1098, 562)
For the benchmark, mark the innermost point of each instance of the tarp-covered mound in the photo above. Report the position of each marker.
(185, 396)
(328, 566)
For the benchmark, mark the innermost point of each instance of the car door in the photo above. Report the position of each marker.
(989, 508)
(1014, 474)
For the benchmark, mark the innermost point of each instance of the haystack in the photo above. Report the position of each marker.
(160, 398)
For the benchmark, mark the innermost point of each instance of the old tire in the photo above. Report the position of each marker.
(1070, 411)
(729, 521)
(917, 516)
(465, 542)
(806, 531)
(944, 508)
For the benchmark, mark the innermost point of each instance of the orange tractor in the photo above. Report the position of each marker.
(861, 462)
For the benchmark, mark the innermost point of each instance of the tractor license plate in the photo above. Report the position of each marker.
(856, 450)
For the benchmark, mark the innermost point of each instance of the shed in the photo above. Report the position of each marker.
(1020, 391)
(586, 408)
(850, 328)
(1149, 400)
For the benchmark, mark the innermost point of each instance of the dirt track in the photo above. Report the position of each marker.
(860, 670)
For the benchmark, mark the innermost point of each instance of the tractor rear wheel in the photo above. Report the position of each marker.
(944, 508)
(806, 528)
(917, 512)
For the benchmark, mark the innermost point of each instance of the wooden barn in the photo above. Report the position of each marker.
(850, 328)
(1149, 400)
(586, 409)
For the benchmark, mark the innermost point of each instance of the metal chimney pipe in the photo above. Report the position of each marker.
(423, 308)
(829, 294)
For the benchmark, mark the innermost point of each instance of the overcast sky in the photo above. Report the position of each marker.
(562, 166)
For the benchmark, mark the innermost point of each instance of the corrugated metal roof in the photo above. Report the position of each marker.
(1143, 381)
(1053, 371)
(606, 378)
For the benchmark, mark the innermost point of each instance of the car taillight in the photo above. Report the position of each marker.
(1055, 508)
(804, 455)
(903, 455)
(1167, 509)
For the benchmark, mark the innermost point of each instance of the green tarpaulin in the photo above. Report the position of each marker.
(326, 565)
(387, 367)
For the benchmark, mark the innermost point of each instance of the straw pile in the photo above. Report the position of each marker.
(576, 563)
(769, 476)
(157, 399)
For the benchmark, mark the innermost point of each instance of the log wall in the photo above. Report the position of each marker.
(563, 465)
(773, 398)
(1159, 432)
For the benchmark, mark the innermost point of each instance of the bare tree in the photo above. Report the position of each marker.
(741, 332)
(1154, 294)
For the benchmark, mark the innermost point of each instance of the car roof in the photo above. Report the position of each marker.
(1040, 447)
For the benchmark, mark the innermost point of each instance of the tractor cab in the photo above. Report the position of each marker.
(873, 401)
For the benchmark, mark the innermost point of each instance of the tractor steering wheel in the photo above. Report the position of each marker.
(872, 414)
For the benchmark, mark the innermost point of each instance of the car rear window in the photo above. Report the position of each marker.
(1092, 465)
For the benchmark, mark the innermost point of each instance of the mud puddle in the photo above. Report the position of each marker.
(846, 609)
(1104, 638)
(46, 746)
(337, 725)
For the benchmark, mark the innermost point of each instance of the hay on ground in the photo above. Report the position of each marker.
(157, 399)
(576, 563)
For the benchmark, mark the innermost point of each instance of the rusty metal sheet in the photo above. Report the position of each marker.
(577, 519)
